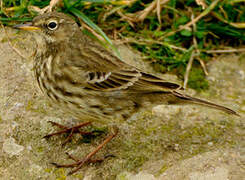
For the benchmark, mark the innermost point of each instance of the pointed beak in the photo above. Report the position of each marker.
(28, 27)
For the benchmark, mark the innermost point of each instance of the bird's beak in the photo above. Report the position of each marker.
(27, 27)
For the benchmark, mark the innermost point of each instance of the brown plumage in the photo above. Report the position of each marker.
(77, 72)
(91, 82)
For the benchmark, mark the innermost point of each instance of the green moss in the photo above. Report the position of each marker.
(78, 176)
(31, 106)
(60, 174)
(197, 79)
(40, 149)
(48, 170)
(191, 140)
(150, 140)
(122, 176)
(163, 169)
(3, 40)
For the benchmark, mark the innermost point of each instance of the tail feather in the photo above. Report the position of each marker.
(203, 102)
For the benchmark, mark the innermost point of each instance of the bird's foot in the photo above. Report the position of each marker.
(70, 131)
(79, 163)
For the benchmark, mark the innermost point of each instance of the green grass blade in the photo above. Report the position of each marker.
(16, 19)
(96, 28)
(98, 1)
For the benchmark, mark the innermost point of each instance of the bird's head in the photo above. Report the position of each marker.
(52, 27)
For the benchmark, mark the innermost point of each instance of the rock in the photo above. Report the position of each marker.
(214, 174)
(139, 176)
(11, 148)
(242, 74)
(174, 142)
(243, 108)
(166, 110)
(213, 165)
(35, 169)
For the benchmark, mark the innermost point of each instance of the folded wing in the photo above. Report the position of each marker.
(128, 80)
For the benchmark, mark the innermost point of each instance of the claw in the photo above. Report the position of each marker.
(79, 163)
(71, 131)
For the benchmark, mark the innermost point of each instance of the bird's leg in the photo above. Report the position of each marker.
(71, 131)
(79, 163)
(89, 161)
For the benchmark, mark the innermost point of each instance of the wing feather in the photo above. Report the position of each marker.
(128, 80)
(113, 80)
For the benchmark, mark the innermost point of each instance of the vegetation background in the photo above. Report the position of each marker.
(176, 36)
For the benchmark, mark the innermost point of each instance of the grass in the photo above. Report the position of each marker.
(163, 34)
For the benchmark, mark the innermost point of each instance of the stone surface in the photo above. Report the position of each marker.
(139, 176)
(214, 174)
(170, 142)
(11, 148)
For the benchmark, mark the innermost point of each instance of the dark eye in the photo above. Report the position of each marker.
(52, 25)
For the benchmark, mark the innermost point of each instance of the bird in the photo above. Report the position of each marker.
(92, 83)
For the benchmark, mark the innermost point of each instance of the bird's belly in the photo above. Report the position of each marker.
(95, 107)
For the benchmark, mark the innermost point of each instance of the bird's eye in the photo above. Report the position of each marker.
(52, 25)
